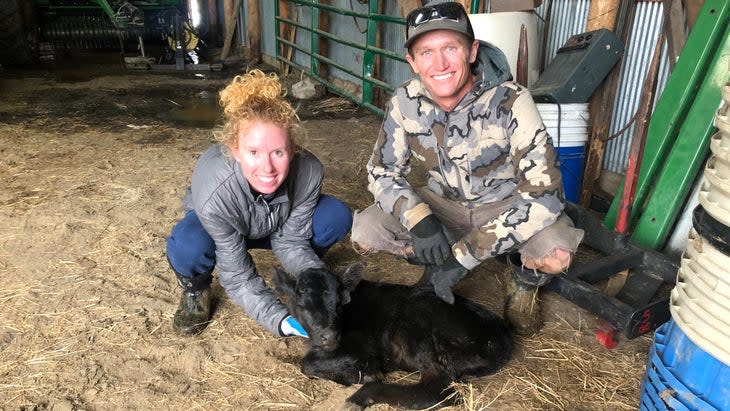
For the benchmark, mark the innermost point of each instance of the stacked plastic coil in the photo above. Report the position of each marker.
(689, 364)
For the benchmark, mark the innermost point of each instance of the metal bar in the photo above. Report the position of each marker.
(605, 267)
(368, 61)
(335, 64)
(109, 12)
(333, 9)
(677, 97)
(277, 30)
(314, 39)
(329, 36)
(589, 298)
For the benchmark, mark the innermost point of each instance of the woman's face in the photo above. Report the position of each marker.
(264, 152)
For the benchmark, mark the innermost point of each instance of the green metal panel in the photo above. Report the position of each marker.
(676, 99)
(368, 64)
(687, 156)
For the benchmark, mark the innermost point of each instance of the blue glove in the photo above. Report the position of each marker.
(430, 241)
(445, 276)
(291, 327)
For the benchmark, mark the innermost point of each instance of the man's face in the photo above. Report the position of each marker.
(441, 58)
(263, 151)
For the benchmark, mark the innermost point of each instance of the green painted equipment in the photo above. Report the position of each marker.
(679, 131)
(41, 29)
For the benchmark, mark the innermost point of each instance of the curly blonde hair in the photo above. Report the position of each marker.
(251, 97)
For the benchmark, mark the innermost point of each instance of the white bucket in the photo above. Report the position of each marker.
(573, 120)
(568, 127)
(503, 31)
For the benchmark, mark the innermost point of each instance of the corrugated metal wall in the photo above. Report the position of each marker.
(569, 17)
(647, 24)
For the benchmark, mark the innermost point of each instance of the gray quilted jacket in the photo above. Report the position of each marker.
(230, 213)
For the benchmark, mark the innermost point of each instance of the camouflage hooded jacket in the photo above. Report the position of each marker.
(492, 147)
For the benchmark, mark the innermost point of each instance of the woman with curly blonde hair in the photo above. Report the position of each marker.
(255, 188)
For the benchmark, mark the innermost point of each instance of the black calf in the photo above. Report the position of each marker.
(362, 329)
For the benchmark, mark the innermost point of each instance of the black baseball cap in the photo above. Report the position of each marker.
(437, 15)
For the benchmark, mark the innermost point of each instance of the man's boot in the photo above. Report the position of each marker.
(521, 304)
(193, 313)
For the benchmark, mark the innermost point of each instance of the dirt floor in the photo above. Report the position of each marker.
(94, 162)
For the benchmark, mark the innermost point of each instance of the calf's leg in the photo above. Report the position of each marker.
(434, 388)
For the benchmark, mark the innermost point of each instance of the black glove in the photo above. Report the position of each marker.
(431, 241)
(445, 276)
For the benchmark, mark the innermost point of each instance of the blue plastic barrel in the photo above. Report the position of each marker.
(571, 168)
(681, 376)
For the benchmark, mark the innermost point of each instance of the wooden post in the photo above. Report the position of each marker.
(214, 33)
(522, 58)
(253, 31)
(324, 25)
(602, 14)
(692, 7)
(292, 37)
(228, 16)
(283, 30)
(230, 29)
(673, 30)
(406, 6)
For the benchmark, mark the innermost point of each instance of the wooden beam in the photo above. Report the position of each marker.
(253, 31)
(228, 16)
(230, 29)
(214, 29)
(292, 37)
(692, 7)
(602, 14)
(405, 6)
(674, 30)
(324, 25)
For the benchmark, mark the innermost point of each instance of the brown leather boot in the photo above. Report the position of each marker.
(193, 313)
(522, 303)
(522, 308)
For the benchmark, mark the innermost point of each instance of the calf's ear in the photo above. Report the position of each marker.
(283, 282)
(350, 277)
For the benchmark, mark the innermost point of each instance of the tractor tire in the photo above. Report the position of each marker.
(14, 45)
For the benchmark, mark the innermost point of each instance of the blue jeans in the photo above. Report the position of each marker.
(191, 251)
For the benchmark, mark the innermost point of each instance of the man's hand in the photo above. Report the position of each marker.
(445, 276)
(554, 263)
(430, 241)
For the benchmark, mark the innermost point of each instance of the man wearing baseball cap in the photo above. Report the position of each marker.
(493, 185)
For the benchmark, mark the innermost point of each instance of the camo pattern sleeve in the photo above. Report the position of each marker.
(389, 165)
(525, 151)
